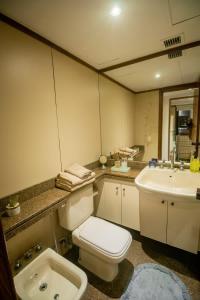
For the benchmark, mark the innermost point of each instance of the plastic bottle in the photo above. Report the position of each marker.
(194, 164)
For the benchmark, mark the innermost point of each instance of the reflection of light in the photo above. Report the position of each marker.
(157, 75)
(116, 11)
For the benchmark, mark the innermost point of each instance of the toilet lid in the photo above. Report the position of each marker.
(104, 235)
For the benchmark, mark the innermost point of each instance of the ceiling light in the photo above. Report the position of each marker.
(115, 11)
(157, 75)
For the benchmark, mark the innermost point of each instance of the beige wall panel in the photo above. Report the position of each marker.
(78, 111)
(28, 130)
(42, 232)
(117, 116)
(146, 122)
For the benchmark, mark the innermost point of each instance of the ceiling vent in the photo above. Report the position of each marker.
(175, 54)
(173, 41)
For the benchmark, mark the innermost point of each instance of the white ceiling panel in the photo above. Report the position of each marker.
(182, 10)
(190, 65)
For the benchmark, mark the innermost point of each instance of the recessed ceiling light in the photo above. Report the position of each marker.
(115, 11)
(157, 75)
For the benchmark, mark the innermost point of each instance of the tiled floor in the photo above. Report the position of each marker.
(185, 265)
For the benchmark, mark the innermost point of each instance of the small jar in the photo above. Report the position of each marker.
(13, 210)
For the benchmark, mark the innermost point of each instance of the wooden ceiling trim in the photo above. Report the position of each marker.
(150, 56)
(117, 82)
(172, 88)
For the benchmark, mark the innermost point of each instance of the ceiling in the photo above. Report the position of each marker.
(141, 76)
(87, 30)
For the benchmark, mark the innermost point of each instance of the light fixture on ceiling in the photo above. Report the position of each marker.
(157, 75)
(115, 11)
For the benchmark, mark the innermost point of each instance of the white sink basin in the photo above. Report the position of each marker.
(50, 276)
(171, 182)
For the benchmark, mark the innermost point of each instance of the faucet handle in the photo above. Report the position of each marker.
(181, 165)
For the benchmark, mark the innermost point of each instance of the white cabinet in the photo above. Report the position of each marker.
(119, 203)
(183, 224)
(174, 222)
(130, 206)
(153, 217)
(109, 206)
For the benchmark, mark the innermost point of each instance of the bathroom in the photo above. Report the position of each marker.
(100, 84)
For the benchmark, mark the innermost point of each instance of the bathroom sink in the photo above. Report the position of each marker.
(169, 181)
(50, 276)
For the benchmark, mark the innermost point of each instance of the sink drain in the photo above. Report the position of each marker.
(56, 297)
(43, 286)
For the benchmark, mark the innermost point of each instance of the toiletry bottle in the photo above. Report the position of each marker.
(192, 163)
(196, 167)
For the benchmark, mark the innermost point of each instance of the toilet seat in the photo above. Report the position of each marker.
(103, 239)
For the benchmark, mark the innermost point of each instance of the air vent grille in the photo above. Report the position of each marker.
(170, 42)
(174, 54)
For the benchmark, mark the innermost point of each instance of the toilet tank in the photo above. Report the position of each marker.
(78, 208)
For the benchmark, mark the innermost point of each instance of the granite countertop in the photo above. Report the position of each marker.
(37, 207)
(32, 210)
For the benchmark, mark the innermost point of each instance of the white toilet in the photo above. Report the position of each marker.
(102, 244)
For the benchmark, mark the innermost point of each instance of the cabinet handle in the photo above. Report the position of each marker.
(123, 191)
(172, 204)
(116, 190)
(163, 201)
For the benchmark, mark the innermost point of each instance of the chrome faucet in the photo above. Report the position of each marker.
(161, 164)
(172, 157)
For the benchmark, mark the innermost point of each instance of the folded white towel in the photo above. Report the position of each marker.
(127, 149)
(71, 180)
(78, 171)
(72, 189)
(125, 153)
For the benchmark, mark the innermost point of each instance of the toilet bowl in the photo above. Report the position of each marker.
(102, 245)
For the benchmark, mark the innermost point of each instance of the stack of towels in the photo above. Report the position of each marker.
(74, 177)
(129, 152)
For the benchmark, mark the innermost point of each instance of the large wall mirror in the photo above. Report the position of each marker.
(180, 124)
(162, 115)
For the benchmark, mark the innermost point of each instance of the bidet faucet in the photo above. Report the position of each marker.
(172, 157)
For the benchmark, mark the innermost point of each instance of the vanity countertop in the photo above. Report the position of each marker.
(131, 174)
(37, 207)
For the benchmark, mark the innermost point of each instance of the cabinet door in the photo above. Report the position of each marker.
(153, 216)
(130, 207)
(109, 206)
(183, 224)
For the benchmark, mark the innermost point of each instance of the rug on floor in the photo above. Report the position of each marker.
(155, 282)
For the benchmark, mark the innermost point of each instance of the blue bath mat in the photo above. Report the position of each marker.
(155, 282)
